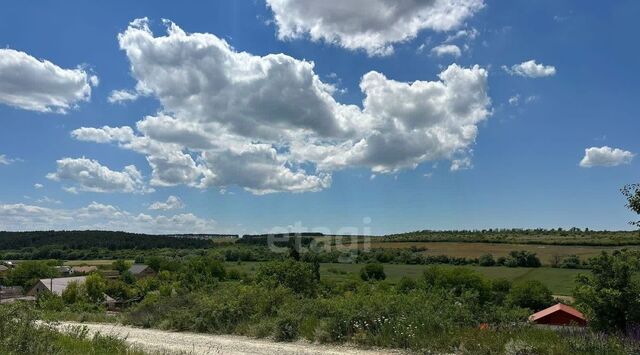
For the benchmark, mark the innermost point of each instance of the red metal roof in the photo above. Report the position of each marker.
(557, 308)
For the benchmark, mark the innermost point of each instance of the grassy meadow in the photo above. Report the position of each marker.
(559, 281)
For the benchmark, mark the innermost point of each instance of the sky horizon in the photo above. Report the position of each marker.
(373, 117)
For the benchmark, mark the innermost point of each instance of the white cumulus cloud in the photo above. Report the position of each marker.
(531, 69)
(120, 96)
(446, 49)
(270, 124)
(371, 25)
(605, 156)
(39, 85)
(97, 216)
(172, 203)
(90, 175)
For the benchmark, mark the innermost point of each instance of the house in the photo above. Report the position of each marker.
(83, 269)
(54, 285)
(141, 271)
(559, 314)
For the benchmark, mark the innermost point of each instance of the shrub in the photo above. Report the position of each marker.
(458, 280)
(486, 260)
(295, 275)
(372, 272)
(531, 294)
(522, 258)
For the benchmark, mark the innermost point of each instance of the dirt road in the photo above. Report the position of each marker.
(191, 343)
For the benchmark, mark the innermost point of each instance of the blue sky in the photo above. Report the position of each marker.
(230, 138)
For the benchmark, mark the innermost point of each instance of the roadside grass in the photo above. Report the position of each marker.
(559, 281)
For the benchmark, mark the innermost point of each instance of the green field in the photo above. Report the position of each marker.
(559, 281)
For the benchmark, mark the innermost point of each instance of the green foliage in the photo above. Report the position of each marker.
(632, 193)
(295, 275)
(95, 286)
(27, 273)
(522, 258)
(406, 284)
(458, 281)
(73, 293)
(121, 265)
(609, 296)
(372, 272)
(19, 334)
(486, 260)
(200, 271)
(531, 294)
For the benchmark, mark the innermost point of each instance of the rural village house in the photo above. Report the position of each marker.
(559, 314)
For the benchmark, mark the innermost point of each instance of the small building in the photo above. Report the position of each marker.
(54, 285)
(559, 314)
(140, 271)
(84, 269)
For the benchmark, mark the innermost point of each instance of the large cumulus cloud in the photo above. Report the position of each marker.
(39, 85)
(269, 124)
(372, 25)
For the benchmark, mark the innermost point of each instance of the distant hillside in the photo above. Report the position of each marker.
(573, 236)
(102, 239)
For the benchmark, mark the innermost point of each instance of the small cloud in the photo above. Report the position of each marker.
(48, 200)
(514, 100)
(605, 156)
(38, 186)
(122, 96)
(172, 203)
(4, 160)
(428, 175)
(446, 49)
(461, 164)
(530, 69)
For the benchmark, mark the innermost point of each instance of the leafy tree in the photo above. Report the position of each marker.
(73, 293)
(531, 294)
(458, 280)
(632, 193)
(27, 273)
(295, 275)
(121, 265)
(95, 286)
(486, 260)
(522, 258)
(202, 270)
(609, 296)
(372, 272)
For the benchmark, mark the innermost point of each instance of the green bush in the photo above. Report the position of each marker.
(19, 334)
(531, 294)
(295, 275)
(372, 272)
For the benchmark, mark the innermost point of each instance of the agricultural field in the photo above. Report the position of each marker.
(559, 281)
(475, 250)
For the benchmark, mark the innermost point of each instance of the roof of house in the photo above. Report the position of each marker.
(557, 308)
(137, 268)
(84, 269)
(58, 285)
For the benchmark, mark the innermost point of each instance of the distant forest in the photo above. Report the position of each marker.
(100, 239)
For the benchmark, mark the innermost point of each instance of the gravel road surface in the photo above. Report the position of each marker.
(154, 340)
